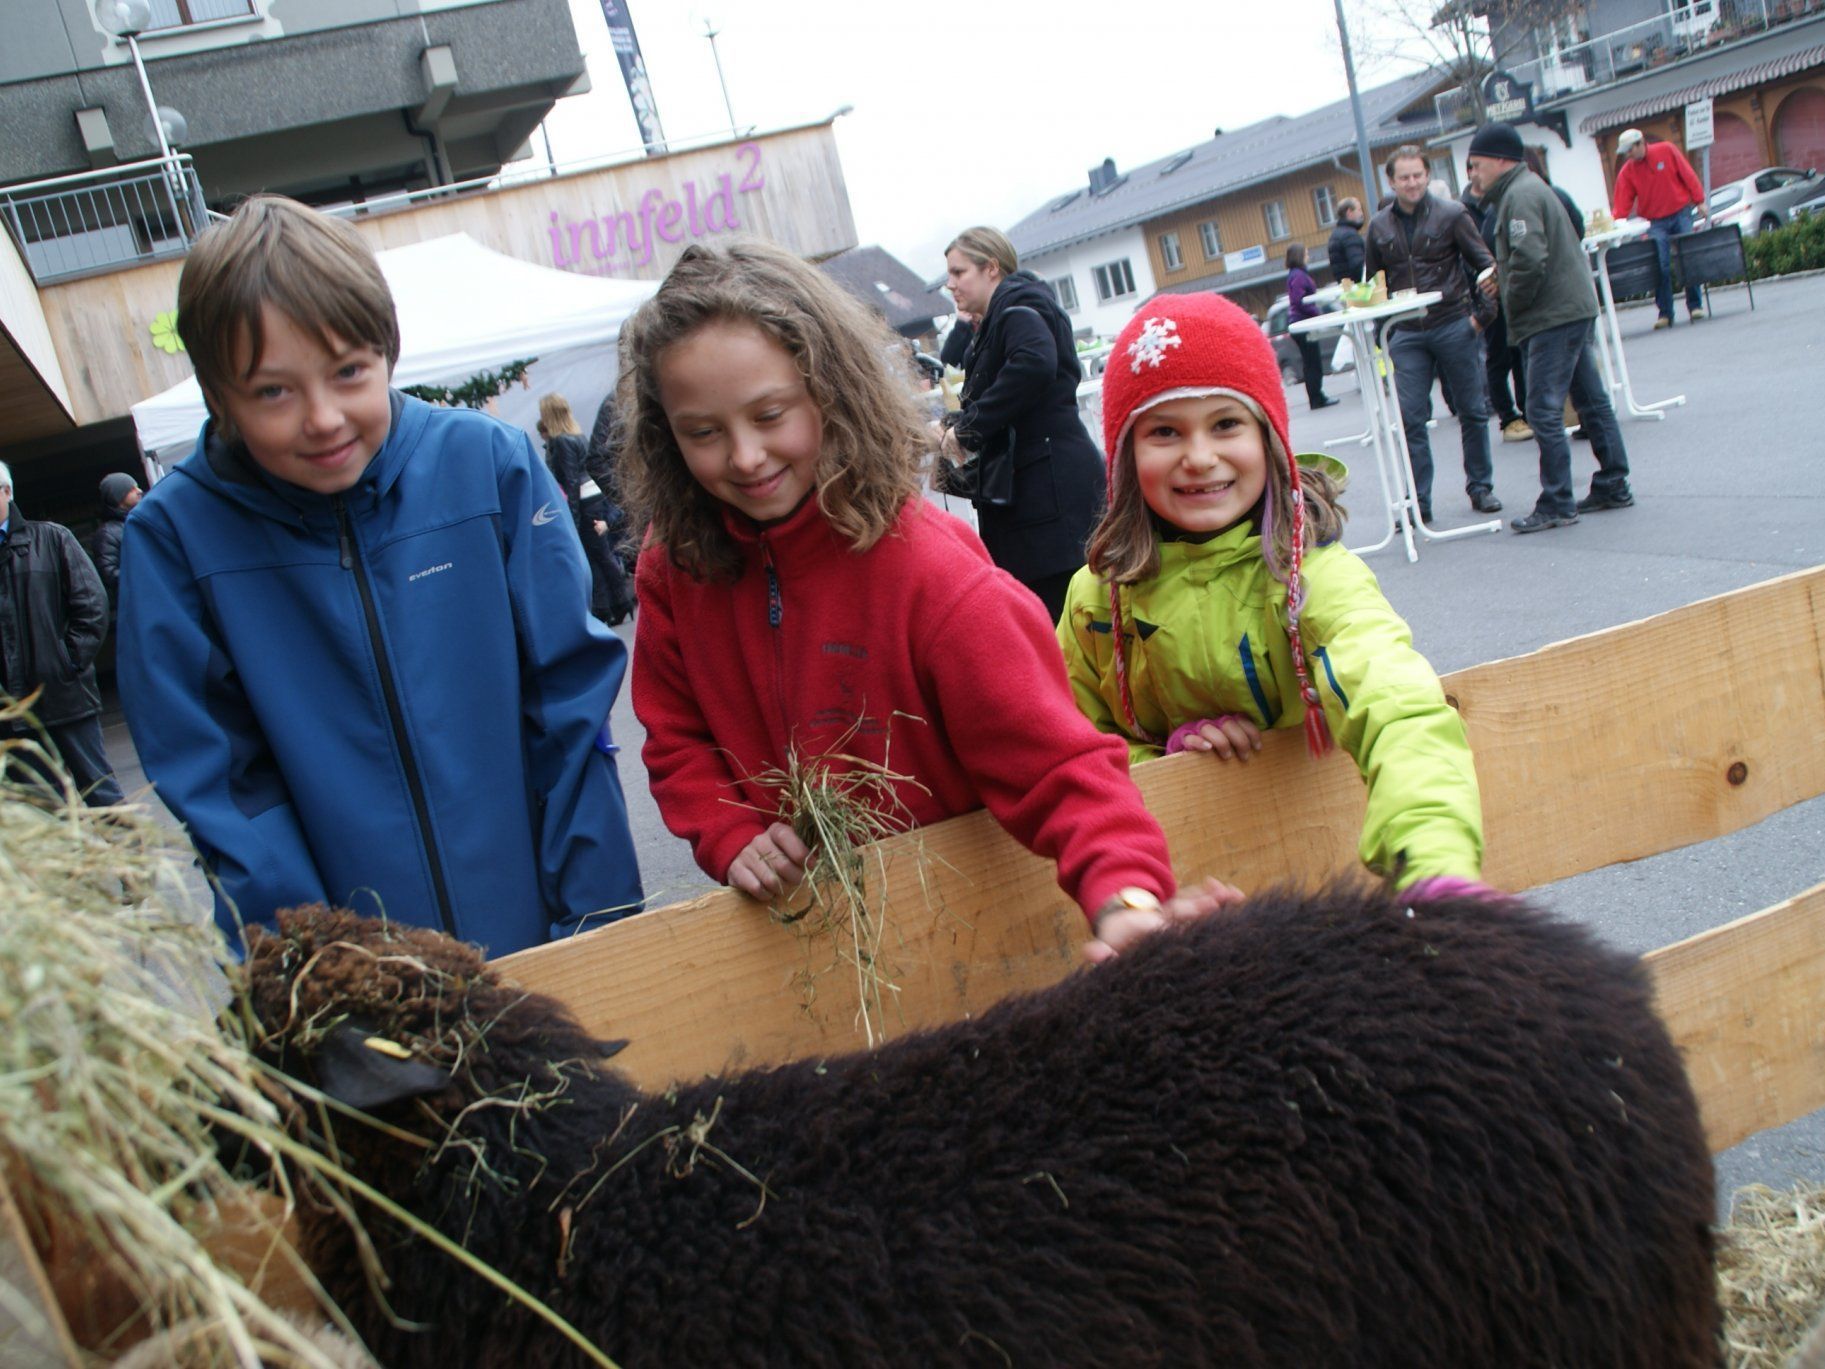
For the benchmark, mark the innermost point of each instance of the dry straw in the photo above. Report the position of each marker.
(110, 1066)
(1771, 1273)
(843, 806)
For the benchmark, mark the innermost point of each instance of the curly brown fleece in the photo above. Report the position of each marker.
(1329, 1129)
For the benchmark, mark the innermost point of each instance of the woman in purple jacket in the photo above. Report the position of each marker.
(1299, 289)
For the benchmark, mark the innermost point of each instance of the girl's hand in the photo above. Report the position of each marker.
(600, 526)
(1119, 926)
(1231, 737)
(770, 865)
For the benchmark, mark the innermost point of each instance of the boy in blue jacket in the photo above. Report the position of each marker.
(355, 648)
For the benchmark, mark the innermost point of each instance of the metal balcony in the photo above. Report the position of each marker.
(105, 220)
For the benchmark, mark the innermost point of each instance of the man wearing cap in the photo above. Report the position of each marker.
(1425, 243)
(119, 493)
(53, 615)
(1550, 304)
(1657, 183)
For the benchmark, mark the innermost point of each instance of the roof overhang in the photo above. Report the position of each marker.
(29, 407)
(1741, 79)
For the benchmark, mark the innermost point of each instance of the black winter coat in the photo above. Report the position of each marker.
(1345, 251)
(568, 458)
(1021, 389)
(53, 616)
(1429, 250)
(107, 550)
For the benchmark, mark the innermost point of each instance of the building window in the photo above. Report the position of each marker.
(1327, 211)
(177, 14)
(1066, 290)
(1169, 251)
(1211, 240)
(1445, 169)
(1274, 211)
(1113, 280)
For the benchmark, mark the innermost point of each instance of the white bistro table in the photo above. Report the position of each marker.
(1609, 328)
(1387, 434)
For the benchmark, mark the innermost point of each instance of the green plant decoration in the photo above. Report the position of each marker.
(477, 390)
(164, 332)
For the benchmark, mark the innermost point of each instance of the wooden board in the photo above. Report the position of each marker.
(1610, 747)
(1746, 1004)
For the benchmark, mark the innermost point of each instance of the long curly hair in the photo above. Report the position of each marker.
(874, 441)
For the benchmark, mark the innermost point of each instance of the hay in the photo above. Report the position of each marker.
(1771, 1273)
(842, 806)
(110, 1065)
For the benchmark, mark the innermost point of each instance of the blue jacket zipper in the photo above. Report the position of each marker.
(351, 561)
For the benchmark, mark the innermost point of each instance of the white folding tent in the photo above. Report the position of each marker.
(464, 309)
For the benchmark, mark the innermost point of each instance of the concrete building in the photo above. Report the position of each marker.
(399, 114)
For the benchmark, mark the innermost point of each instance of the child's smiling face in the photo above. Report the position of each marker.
(1201, 463)
(748, 428)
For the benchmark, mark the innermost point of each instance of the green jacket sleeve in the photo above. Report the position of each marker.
(1526, 269)
(1387, 709)
(1085, 652)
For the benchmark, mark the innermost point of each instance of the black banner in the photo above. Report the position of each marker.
(633, 72)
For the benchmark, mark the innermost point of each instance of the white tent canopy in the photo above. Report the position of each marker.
(464, 309)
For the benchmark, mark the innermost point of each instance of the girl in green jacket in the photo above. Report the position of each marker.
(1217, 601)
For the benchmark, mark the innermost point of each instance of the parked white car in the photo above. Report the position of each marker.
(1763, 200)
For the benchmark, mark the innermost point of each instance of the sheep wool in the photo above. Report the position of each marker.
(1332, 1128)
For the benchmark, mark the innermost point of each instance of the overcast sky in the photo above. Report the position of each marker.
(971, 112)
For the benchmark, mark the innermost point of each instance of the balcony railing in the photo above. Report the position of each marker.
(1685, 31)
(105, 220)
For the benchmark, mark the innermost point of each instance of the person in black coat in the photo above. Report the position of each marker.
(119, 493)
(1345, 249)
(53, 616)
(567, 455)
(1034, 474)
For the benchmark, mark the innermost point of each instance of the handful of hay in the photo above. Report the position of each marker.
(112, 1072)
(837, 803)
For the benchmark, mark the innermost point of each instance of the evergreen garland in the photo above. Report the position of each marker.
(477, 390)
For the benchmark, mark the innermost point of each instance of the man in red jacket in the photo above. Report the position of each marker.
(1657, 183)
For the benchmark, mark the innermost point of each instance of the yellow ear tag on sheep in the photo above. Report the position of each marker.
(381, 1046)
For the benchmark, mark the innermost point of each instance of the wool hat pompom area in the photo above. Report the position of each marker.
(1189, 347)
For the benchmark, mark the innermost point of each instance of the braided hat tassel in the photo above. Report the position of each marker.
(1317, 730)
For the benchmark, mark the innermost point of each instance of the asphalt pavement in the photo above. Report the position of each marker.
(1730, 491)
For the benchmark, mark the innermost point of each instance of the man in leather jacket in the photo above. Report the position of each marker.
(1426, 243)
(53, 616)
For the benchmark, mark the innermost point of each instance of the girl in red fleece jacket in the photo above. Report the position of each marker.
(796, 593)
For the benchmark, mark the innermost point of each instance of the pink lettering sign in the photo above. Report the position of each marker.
(625, 239)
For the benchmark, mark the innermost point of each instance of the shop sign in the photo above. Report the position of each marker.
(1506, 100)
(629, 238)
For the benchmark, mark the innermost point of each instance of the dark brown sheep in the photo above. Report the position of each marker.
(1324, 1129)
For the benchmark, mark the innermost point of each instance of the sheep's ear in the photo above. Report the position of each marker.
(608, 1048)
(351, 1071)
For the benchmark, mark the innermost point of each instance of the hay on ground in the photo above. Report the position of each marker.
(1771, 1273)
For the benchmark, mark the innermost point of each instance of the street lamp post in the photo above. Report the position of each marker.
(710, 31)
(1362, 132)
(127, 19)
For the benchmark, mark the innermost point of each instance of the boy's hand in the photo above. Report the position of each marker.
(770, 865)
(1119, 927)
(1231, 737)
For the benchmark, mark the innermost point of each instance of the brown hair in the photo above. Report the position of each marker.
(555, 416)
(874, 442)
(983, 245)
(316, 270)
(1125, 547)
(1295, 256)
(1406, 152)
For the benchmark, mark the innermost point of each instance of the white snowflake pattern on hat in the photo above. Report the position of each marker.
(1150, 344)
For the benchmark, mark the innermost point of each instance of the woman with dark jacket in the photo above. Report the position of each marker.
(1034, 474)
(567, 455)
(1300, 306)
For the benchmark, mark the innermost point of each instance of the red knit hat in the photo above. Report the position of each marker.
(1192, 346)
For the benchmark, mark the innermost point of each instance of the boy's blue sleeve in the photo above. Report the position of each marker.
(198, 739)
(571, 670)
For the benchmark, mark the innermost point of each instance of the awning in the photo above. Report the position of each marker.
(1740, 79)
